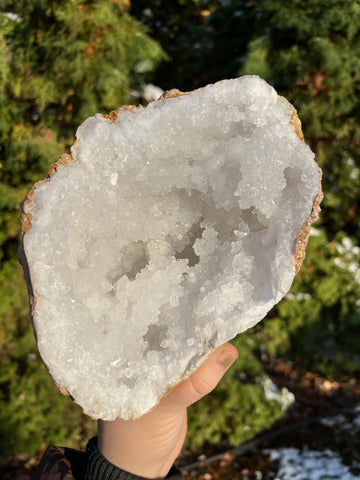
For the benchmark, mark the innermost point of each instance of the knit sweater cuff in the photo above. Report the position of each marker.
(99, 468)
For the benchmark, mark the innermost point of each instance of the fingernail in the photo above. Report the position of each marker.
(225, 360)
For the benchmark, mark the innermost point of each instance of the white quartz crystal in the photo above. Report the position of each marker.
(171, 231)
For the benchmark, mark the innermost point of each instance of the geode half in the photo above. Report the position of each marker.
(169, 230)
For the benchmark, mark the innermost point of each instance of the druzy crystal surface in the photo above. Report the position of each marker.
(172, 230)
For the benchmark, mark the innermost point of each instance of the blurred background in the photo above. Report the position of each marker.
(61, 62)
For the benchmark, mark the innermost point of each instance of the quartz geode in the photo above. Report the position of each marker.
(167, 231)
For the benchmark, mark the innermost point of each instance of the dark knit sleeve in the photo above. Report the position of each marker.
(61, 463)
(99, 468)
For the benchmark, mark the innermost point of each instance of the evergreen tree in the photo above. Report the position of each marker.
(206, 40)
(60, 62)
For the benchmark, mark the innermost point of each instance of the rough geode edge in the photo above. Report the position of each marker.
(301, 240)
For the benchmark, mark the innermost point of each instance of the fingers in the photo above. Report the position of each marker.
(205, 379)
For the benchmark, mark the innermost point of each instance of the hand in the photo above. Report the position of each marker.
(149, 445)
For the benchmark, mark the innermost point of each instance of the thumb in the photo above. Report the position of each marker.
(205, 379)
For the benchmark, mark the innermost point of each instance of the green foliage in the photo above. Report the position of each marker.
(205, 40)
(319, 321)
(75, 58)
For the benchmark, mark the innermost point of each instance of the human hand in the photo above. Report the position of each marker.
(149, 445)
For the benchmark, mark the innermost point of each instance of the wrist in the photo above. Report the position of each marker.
(99, 468)
(119, 442)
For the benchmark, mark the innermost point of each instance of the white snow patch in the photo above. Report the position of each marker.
(284, 397)
(151, 92)
(295, 464)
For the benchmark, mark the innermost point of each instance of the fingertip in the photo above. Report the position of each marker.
(226, 355)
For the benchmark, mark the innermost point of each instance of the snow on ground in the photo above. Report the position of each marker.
(309, 465)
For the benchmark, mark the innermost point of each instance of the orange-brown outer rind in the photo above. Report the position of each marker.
(302, 239)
